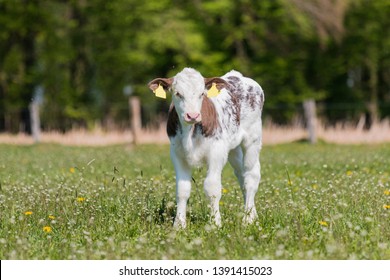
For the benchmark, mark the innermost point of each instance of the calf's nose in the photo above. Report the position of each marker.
(192, 117)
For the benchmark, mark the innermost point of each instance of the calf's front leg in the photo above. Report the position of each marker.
(213, 185)
(183, 189)
(213, 190)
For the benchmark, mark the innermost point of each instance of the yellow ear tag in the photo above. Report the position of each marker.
(160, 92)
(213, 91)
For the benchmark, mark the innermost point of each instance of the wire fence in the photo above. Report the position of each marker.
(19, 119)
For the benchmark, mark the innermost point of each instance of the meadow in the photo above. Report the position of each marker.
(118, 202)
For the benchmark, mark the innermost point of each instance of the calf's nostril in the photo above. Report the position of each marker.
(192, 116)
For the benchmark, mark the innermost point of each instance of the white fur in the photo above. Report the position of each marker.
(239, 144)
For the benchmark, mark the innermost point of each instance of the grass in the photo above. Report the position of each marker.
(116, 202)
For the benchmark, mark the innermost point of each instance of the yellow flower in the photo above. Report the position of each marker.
(386, 192)
(81, 199)
(221, 203)
(51, 217)
(386, 206)
(47, 229)
(323, 223)
(314, 186)
(349, 173)
(27, 213)
(224, 190)
(72, 170)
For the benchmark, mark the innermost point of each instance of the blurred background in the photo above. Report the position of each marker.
(70, 65)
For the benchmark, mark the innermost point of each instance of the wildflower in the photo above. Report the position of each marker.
(386, 192)
(323, 223)
(28, 213)
(47, 229)
(72, 170)
(349, 173)
(81, 199)
(224, 190)
(51, 217)
(314, 186)
(221, 203)
(197, 241)
(289, 182)
(386, 206)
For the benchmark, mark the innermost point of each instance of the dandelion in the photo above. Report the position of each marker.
(349, 173)
(314, 186)
(386, 192)
(72, 170)
(28, 213)
(224, 190)
(81, 199)
(47, 229)
(323, 223)
(386, 206)
(51, 217)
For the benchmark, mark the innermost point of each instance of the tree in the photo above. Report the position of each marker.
(21, 23)
(83, 53)
(367, 47)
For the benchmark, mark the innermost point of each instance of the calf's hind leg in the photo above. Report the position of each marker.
(236, 158)
(251, 165)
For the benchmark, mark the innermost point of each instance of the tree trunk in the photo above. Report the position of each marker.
(372, 104)
(29, 61)
(309, 107)
(135, 118)
(35, 121)
(2, 108)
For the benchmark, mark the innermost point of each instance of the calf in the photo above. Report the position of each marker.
(213, 130)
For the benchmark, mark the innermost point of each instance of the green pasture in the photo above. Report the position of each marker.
(118, 202)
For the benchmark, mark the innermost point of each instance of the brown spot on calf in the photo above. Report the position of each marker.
(173, 123)
(209, 121)
(208, 125)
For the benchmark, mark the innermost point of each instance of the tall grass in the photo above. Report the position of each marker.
(117, 202)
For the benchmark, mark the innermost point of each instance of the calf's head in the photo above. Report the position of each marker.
(189, 91)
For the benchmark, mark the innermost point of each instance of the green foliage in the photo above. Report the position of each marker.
(314, 202)
(84, 52)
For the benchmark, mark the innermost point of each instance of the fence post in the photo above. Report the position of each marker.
(135, 118)
(35, 121)
(309, 108)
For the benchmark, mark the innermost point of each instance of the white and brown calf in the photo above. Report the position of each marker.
(213, 131)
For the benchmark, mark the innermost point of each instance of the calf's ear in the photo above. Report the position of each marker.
(166, 83)
(219, 83)
(159, 85)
